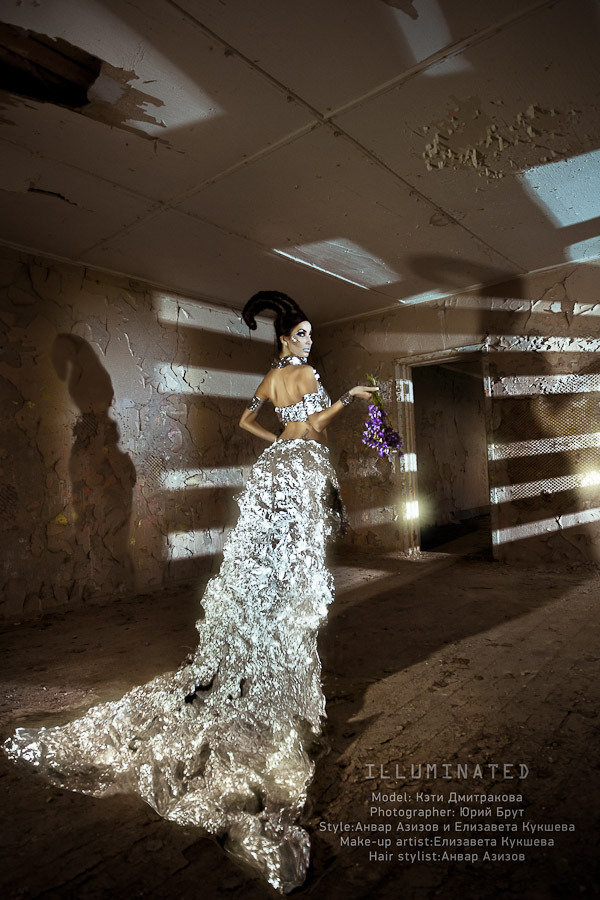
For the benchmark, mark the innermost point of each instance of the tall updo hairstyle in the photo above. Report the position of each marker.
(287, 313)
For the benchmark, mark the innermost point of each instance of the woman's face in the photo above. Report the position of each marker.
(299, 340)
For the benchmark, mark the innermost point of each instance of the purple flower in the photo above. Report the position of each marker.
(378, 435)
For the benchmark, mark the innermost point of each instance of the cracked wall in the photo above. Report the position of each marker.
(121, 453)
(538, 338)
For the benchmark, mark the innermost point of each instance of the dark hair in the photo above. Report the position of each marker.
(287, 312)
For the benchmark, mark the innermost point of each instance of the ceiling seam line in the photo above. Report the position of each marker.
(379, 162)
(170, 204)
(338, 132)
(238, 53)
(451, 51)
(259, 154)
(321, 118)
(414, 70)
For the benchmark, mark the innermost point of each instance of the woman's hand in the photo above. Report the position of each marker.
(363, 391)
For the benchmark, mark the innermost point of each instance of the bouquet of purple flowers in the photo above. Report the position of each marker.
(378, 434)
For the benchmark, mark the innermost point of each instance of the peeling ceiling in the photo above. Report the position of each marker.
(357, 154)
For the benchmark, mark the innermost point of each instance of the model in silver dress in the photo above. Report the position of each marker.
(222, 742)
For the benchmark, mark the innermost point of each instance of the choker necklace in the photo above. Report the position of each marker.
(282, 361)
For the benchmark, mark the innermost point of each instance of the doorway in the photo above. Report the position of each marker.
(450, 439)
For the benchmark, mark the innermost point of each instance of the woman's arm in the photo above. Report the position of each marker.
(248, 421)
(320, 420)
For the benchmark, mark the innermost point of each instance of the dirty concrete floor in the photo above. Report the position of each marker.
(450, 659)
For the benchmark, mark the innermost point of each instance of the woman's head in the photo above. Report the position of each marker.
(299, 341)
(288, 317)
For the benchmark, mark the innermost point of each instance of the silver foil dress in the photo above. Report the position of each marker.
(222, 742)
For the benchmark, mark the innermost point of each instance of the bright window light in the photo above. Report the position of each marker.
(539, 447)
(183, 100)
(404, 388)
(190, 544)
(535, 385)
(590, 478)
(178, 379)
(412, 509)
(427, 35)
(412, 299)
(183, 479)
(346, 260)
(527, 489)
(568, 190)
(409, 462)
(558, 523)
(175, 311)
(569, 193)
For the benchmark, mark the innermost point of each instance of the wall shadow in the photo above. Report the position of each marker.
(102, 475)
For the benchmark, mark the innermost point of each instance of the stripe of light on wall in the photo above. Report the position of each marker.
(546, 486)
(543, 526)
(540, 385)
(178, 379)
(516, 449)
(175, 311)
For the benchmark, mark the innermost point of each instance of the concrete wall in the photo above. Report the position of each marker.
(120, 451)
(541, 339)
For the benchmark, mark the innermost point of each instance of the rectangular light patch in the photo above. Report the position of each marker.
(184, 479)
(178, 379)
(538, 385)
(517, 449)
(175, 311)
(545, 486)
(545, 526)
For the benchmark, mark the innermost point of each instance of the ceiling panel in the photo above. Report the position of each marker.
(518, 89)
(185, 110)
(57, 210)
(331, 53)
(216, 110)
(321, 200)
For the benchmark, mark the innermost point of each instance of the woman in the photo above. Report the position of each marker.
(222, 742)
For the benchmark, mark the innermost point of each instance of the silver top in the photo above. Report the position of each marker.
(309, 404)
(283, 361)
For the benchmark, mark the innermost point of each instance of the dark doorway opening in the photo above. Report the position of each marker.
(452, 465)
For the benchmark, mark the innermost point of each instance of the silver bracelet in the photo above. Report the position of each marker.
(255, 404)
(347, 398)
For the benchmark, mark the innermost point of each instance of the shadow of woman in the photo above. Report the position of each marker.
(102, 476)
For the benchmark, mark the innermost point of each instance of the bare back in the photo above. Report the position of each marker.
(285, 387)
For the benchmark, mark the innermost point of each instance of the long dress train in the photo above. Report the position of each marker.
(221, 743)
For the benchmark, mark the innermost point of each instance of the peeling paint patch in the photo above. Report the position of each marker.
(470, 138)
(51, 70)
(114, 101)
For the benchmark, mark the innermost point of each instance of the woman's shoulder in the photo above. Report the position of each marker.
(305, 375)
